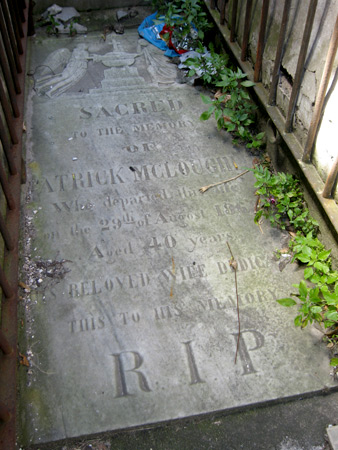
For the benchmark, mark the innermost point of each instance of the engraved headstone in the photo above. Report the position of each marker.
(141, 325)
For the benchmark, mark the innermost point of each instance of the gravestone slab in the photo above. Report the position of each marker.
(134, 316)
